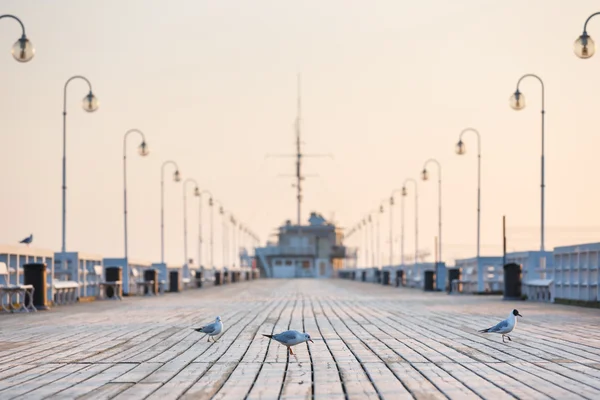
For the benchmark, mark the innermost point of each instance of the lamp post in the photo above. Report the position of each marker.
(425, 176)
(223, 233)
(584, 46)
(200, 233)
(370, 220)
(212, 237)
(460, 150)
(404, 194)
(375, 241)
(90, 104)
(22, 50)
(143, 151)
(392, 225)
(366, 241)
(176, 178)
(196, 194)
(233, 239)
(517, 102)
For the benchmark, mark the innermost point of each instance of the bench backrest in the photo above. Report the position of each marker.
(3, 269)
(4, 273)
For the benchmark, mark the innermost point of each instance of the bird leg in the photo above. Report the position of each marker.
(208, 339)
(291, 352)
(509, 338)
(503, 341)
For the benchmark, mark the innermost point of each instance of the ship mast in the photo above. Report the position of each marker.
(299, 155)
(299, 177)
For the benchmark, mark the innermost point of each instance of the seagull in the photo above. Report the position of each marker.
(212, 329)
(290, 338)
(504, 327)
(27, 240)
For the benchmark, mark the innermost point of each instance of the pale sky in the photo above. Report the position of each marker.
(386, 85)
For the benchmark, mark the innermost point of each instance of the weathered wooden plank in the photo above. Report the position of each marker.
(416, 383)
(181, 382)
(95, 382)
(136, 391)
(39, 381)
(371, 341)
(106, 391)
(238, 384)
(49, 390)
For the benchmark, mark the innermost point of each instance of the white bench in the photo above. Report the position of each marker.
(146, 286)
(538, 290)
(186, 282)
(65, 292)
(116, 288)
(10, 295)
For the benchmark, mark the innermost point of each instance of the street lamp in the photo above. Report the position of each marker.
(379, 261)
(22, 50)
(196, 194)
(143, 151)
(425, 176)
(223, 233)
(584, 46)
(404, 194)
(176, 178)
(517, 102)
(392, 225)
(460, 150)
(366, 241)
(375, 241)
(232, 251)
(200, 233)
(90, 104)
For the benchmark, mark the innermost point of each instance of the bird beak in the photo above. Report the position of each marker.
(311, 340)
(520, 315)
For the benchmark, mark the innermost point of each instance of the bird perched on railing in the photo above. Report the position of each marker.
(290, 338)
(213, 329)
(27, 240)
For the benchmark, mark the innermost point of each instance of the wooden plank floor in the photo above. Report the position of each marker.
(370, 342)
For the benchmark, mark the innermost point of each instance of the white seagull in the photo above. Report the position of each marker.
(290, 338)
(212, 329)
(504, 327)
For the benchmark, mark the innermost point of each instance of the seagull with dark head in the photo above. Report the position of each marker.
(213, 329)
(27, 240)
(504, 327)
(290, 338)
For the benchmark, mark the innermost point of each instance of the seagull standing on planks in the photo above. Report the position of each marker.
(213, 329)
(504, 327)
(27, 240)
(290, 338)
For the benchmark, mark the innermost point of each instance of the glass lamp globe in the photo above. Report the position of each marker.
(584, 46)
(23, 50)
(404, 192)
(90, 102)
(177, 176)
(517, 101)
(424, 174)
(143, 149)
(197, 192)
(460, 148)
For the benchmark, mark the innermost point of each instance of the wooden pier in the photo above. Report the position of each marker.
(370, 342)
